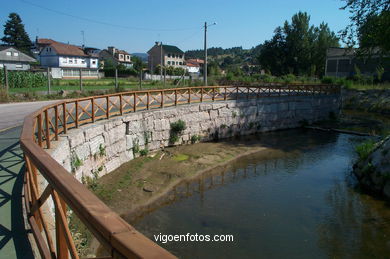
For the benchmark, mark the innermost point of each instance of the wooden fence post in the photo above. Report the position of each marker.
(93, 109)
(64, 116)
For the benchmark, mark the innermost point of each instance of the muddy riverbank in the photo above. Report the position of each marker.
(140, 184)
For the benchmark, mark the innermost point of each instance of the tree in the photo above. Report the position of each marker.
(137, 63)
(15, 34)
(324, 38)
(370, 23)
(297, 48)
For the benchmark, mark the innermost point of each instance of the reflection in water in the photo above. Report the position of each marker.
(296, 201)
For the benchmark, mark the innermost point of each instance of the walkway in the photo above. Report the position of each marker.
(13, 237)
(12, 114)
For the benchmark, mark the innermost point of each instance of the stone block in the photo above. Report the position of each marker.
(160, 125)
(76, 137)
(132, 117)
(82, 151)
(213, 114)
(95, 143)
(216, 106)
(115, 149)
(205, 107)
(113, 164)
(93, 131)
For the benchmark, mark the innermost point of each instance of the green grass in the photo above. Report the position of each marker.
(364, 149)
(181, 157)
(361, 87)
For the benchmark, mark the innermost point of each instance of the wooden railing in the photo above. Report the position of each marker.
(45, 125)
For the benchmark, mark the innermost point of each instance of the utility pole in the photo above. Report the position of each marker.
(205, 56)
(205, 53)
(161, 60)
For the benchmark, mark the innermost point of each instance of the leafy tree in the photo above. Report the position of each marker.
(297, 48)
(324, 38)
(375, 32)
(138, 64)
(370, 23)
(15, 34)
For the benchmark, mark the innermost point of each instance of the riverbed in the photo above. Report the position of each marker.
(300, 202)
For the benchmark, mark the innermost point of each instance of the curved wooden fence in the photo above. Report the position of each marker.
(45, 125)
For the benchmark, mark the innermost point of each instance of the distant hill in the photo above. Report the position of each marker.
(229, 56)
(143, 56)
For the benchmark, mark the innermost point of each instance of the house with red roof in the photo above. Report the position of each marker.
(67, 60)
(194, 65)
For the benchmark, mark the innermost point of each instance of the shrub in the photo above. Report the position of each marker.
(75, 162)
(144, 152)
(364, 149)
(176, 129)
(195, 138)
(102, 150)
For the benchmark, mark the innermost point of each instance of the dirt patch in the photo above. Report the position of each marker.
(145, 179)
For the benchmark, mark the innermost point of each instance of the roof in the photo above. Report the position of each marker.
(20, 58)
(172, 49)
(122, 52)
(189, 64)
(67, 49)
(339, 52)
(195, 60)
(45, 41)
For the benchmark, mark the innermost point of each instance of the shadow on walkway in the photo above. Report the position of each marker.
(13, 235)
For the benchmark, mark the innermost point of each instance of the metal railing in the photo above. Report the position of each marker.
(45, 125)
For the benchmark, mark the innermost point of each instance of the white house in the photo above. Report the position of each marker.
(14, 59)
(69, 59)
(193, 65)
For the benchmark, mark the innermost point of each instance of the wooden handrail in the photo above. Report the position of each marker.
(116, 235)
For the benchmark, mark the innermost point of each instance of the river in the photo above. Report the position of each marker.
(301, 203)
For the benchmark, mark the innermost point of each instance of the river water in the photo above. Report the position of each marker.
(299, 200)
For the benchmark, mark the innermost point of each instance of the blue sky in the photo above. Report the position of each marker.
(135, 25)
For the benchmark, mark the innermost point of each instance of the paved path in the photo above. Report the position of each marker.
(12, 114)
(13, 237)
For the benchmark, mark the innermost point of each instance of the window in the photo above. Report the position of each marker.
(82, 61)
(169, 62)
(16, 54)
(180, 63)
(120, 56)
(8, 53)
(181, 56)
(19, 66)
(93, 62)
(70, 61)
(169, 55)
(75, 61)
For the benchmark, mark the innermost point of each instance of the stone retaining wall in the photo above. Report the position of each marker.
(96, 149)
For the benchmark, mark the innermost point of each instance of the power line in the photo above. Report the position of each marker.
(103, 23)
